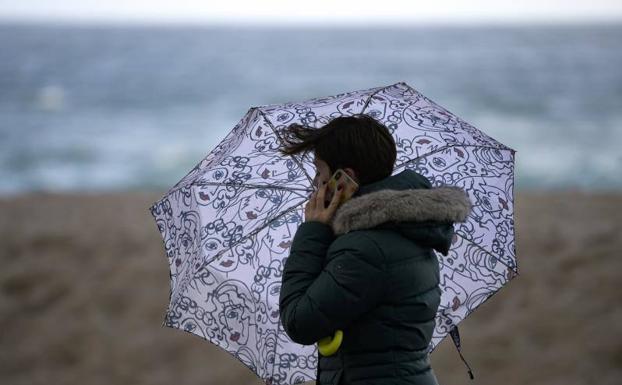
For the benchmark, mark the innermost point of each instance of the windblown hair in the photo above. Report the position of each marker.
(358, 141)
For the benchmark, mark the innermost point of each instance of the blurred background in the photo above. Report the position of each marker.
(104, 106)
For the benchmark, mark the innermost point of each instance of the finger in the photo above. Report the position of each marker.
(311, 202)
(319, 198)
(321, 193)
(336, 199)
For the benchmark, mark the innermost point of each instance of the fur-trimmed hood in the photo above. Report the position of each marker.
(406, 202)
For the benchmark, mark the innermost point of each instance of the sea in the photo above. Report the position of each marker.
(135, 107)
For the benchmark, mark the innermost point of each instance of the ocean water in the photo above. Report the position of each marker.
(136, 107)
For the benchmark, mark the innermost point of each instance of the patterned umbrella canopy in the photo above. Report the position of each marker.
(228, 224)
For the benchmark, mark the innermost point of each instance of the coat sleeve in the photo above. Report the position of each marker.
(315, 300)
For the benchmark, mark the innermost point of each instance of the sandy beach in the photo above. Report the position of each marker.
(84, 287)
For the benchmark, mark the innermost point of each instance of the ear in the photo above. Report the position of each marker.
(351, 174)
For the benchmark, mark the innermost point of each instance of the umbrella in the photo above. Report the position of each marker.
(228, 224)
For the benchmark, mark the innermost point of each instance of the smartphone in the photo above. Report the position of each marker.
(341, 178)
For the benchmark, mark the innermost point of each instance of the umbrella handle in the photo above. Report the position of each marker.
(328, 346)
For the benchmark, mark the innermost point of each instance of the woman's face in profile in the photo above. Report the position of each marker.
(322, 172)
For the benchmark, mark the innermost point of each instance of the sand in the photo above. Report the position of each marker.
(84, 287)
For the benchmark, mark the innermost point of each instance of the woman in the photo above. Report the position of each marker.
(368, 266)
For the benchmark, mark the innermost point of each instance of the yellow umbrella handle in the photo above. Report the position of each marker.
(328, 346)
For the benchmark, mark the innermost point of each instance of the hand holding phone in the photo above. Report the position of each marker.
(341, 179)
(318, 208)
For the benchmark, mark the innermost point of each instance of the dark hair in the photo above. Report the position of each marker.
(358, 141)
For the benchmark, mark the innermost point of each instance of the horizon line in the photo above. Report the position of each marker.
(380, 23)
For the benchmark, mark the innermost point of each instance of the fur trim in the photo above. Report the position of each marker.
(444, 204)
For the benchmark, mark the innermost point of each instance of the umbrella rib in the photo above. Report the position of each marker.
(515, 269)
(276, 345)
(252, 233)
(489, 253)
(447, 111)
(372, 95)
(453, 145)
(251, 186)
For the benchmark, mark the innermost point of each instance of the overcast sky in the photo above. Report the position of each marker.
(322, 11)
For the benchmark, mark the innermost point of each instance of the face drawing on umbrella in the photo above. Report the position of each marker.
(272, 299)
(493, 201)
(322, 172)
(234, 313)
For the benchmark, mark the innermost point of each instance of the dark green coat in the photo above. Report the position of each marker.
(372, 273)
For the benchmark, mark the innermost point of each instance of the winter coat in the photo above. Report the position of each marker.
(372, 272)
